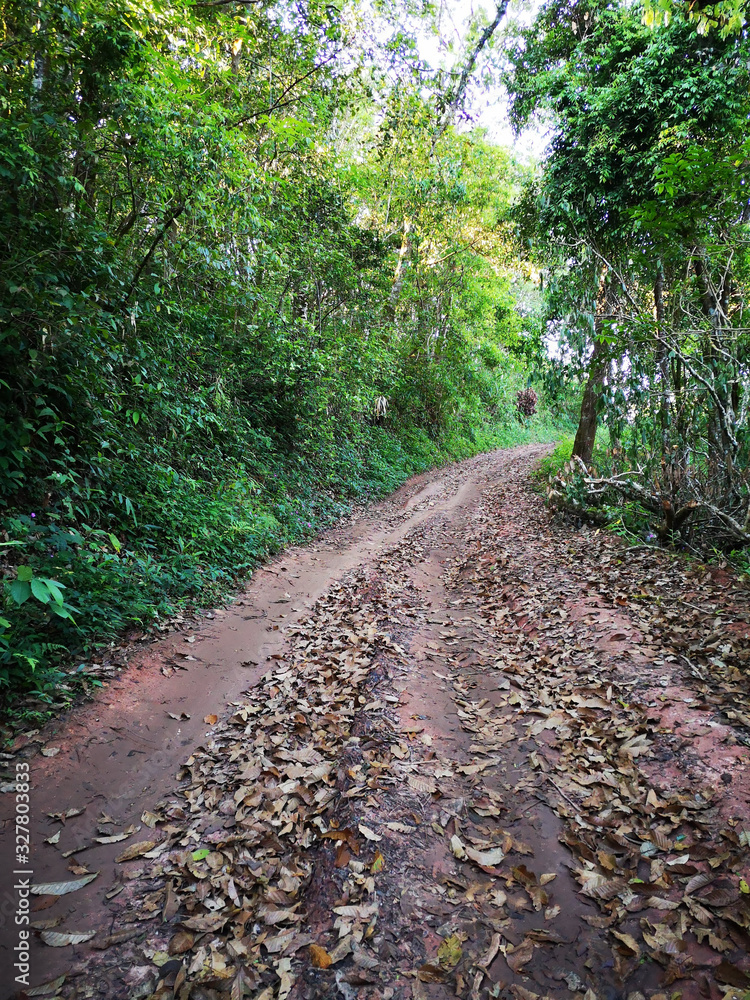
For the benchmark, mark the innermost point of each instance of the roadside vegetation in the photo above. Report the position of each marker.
(639, 222)
(251, 274)
(259, 266)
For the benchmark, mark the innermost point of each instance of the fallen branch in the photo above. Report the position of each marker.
(673, 517)
(735, 528)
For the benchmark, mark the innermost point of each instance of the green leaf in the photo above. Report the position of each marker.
(55, 590)
(61, 611)
(40, 591)
(201, 854)
(24, 573)
(20, 591)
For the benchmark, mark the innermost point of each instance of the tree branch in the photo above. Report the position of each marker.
(174, 214)
(468, 69)
(280, 103)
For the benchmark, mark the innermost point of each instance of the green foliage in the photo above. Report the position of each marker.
(233, 301)
(641, 219)
(628, 519)
(553, 463)
(726, 17)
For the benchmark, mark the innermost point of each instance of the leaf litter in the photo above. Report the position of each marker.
(292, 861)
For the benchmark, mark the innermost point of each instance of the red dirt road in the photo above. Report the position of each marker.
(531, 777)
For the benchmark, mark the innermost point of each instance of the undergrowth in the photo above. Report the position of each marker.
(627, 518)
(190, 544)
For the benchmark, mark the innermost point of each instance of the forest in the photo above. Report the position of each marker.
(260, 263)
(374, 500)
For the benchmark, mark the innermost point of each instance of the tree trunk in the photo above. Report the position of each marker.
(586, 433)
(405, 255)
(722, 443)
(583, 446)
(662, 355)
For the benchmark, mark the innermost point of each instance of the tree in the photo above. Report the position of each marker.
(248, 272)
(646, 178)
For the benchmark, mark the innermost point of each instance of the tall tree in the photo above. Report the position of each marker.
(646, 173)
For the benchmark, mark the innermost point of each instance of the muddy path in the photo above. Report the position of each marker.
(454, 748)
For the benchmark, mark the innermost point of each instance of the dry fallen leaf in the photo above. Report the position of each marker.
(279, 942)
(207, 922)
(46, 989)
(521, 993)
(432, 972)
(181, 942)
(459, 851)
(489, 957)
(342, 949)
(59, 939)
(171, 903)
(45, 925)
(284, 972)
(241, 985)
(487, 859)
(137, 850)
(119, 937)
(117, 837)
(67, 814)
(62, 888)
(400, 827)
(521, 955)
(319, 957)
(368, 833)
(211, 720)
(629, 941)
(725, 972)
(425, 785)
(361, 912)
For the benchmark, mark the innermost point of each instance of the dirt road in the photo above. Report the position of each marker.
(479, 753)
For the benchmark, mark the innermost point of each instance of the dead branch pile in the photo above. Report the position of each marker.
(676, 505)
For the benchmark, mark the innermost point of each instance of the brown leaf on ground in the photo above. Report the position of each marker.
(319, 957)
(432, 972)
(137, 850)
(62, 888)
(521, 955)
(727, 973)
(60, 939)
(181, 942)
